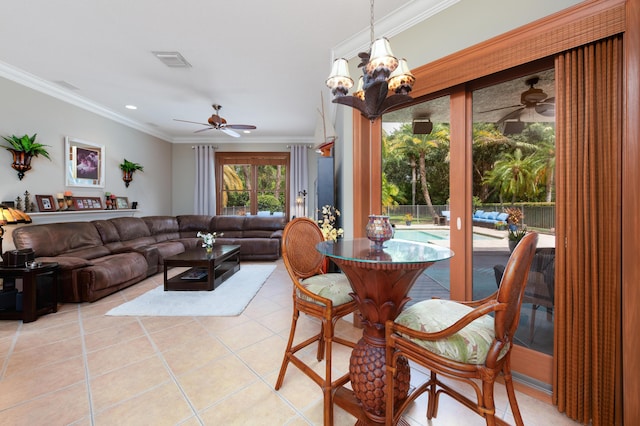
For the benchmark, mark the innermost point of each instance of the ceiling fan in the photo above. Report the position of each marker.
(531, 98)
(218, 123)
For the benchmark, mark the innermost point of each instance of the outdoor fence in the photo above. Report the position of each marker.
(535, 216)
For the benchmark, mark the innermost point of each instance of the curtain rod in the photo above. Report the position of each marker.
(212, 146)
(308, 146)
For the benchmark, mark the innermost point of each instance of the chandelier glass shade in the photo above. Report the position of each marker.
(382, 73)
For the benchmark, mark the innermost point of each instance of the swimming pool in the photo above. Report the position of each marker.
(432, 234)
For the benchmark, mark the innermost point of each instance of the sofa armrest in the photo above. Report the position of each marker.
(67, 262)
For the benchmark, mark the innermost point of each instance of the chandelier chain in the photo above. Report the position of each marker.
(371, 23)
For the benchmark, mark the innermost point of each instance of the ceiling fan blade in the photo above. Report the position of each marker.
(231, 132)
(204, 130)
(512, 114)
(498, 109)
(192, 122)
(240, 126)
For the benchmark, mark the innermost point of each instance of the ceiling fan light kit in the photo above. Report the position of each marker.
(382, 72)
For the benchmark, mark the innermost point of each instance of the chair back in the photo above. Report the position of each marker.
(299, 240)
(512, 287)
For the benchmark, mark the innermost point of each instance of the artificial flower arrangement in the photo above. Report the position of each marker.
(328, 223)
(208, 239)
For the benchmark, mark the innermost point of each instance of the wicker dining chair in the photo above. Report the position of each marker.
(462, 341)
(323, 296)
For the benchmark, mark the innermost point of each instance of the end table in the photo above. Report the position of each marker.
(30, 310)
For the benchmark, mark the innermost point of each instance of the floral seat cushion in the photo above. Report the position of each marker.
(470, 345)
(332, 286)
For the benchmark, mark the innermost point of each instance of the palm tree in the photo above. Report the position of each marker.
(416, 148)
(515, 176)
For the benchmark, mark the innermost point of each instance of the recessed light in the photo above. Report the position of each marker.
(247, 131)
(131, 107)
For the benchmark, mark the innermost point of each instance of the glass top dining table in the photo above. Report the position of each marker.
(394, 251)
(381, 280)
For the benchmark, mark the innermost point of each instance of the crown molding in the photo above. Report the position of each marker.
(48, 88)
(399, 20)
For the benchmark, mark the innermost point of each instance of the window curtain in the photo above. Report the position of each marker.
(204, 199)
(299, 180)
(588, 282)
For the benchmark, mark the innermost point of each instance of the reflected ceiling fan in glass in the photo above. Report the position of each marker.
(533, 98)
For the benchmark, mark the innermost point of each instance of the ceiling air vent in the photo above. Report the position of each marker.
(172, 59)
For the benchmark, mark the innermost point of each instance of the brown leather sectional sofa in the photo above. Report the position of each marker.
(101, 257)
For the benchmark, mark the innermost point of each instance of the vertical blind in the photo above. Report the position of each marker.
(588, 281)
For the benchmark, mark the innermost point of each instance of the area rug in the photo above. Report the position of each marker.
(229, 299)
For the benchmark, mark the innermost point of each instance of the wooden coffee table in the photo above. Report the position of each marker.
(208, 270)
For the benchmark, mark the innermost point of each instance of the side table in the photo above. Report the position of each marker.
(30, 310)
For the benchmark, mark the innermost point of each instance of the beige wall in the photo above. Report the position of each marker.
(24, 110)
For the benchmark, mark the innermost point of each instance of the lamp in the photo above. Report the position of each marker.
(11, 216)
(381, 71)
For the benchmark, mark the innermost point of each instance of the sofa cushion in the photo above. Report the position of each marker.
(111, 272)
(53, 240)
(230, 226)
(262, 227)
(107, 230)
(190, 224)
(163, 228)
(130, 228)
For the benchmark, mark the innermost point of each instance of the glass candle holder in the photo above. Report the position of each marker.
(379, 230)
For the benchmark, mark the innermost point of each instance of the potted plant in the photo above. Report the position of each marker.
(515, 229)
(128, 167)
(23, 149)
(408, 218)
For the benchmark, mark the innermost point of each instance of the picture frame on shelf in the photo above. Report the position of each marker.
(87, 203)
(84, 163)
(122, 202)
(46, 203)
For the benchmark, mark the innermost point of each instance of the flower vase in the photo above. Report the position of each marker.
(209, 249)
(379, 230)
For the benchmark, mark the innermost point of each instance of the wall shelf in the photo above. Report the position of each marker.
(40, 218)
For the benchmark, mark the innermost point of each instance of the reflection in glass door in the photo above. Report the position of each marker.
(513, 193)
(415, 183)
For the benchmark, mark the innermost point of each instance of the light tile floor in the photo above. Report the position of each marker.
(80, 367)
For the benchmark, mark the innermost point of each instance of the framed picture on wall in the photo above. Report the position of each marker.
(122, 202)
(46, 203)
(84, 163)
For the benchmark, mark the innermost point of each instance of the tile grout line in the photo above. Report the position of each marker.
(85, 361)
(14, 341)
(171, 374)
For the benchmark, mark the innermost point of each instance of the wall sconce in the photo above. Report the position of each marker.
(301, 200)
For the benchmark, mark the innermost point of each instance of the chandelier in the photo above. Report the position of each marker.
(381, 72)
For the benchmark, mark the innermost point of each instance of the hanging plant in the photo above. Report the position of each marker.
(23, 149)
(128, 168)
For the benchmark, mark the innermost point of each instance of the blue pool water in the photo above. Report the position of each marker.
(431, 235)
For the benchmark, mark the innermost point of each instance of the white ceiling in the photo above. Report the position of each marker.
(265, 62)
